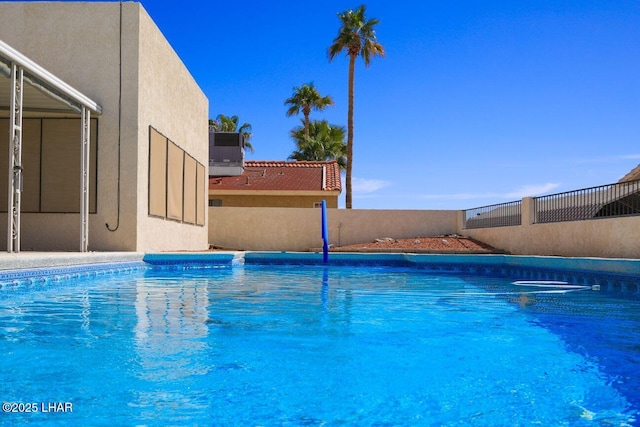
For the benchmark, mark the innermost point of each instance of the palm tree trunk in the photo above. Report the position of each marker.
(306, 124)
(352, 68)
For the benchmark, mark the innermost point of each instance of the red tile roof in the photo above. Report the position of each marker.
(282, 176)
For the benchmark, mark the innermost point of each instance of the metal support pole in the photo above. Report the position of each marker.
(15, 160)
(84, 180)
(325, 233)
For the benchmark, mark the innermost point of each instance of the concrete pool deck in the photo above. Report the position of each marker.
(41, 260)
(29, 260)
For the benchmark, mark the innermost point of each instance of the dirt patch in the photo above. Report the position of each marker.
(452, 243)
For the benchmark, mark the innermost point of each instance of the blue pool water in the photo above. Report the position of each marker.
(313, 345)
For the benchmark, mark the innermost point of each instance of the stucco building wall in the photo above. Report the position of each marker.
(615, 237)
(298, 229)
(81, 43)
(171, 101)
(606, 237)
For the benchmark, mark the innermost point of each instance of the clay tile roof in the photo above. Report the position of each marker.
(283, 176)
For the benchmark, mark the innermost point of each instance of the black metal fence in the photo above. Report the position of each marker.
(619, 199)
(499, 215)
(604, 201)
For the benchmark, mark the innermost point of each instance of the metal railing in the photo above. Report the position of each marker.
(619, 199)
(499, 215)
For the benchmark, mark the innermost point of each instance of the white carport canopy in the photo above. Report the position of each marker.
(43, 93)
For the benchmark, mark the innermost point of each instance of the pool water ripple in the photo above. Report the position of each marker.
(258, 345)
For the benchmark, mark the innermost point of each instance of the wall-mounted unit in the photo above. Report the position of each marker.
(226, 154)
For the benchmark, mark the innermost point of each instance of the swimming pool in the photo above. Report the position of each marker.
(380, 344)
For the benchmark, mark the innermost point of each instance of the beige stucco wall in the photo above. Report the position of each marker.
(171, 101)
(80, 43)
(350, 226)
(65, 39)
(299, 229)
(602, 237)
(275, 201)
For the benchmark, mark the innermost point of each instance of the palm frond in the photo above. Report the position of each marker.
(224, 123)
(356, 36)
(324, 142)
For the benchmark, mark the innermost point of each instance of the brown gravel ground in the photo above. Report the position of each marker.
(436, 244)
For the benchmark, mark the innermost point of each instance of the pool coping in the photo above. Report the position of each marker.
(30, 260)
(52, 267)
(604, 265)
(38, 266)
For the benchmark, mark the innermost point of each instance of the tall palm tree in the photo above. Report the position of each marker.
(306, 98)
(357, 37)
(224, 123)
(324, 142)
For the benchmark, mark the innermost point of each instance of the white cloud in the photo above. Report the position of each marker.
(361, 185)
(532, 190)
(608, 159)
(458, 196)
(524, 191)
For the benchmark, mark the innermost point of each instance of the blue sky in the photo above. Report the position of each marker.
(475, 102)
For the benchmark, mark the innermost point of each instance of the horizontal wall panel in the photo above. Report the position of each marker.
(176, 182)
(200, 195)
(60, 168)
(30, 165)
(51, 165)
(175, 173)
(157, 174)
(4, 163)
(189, 191)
